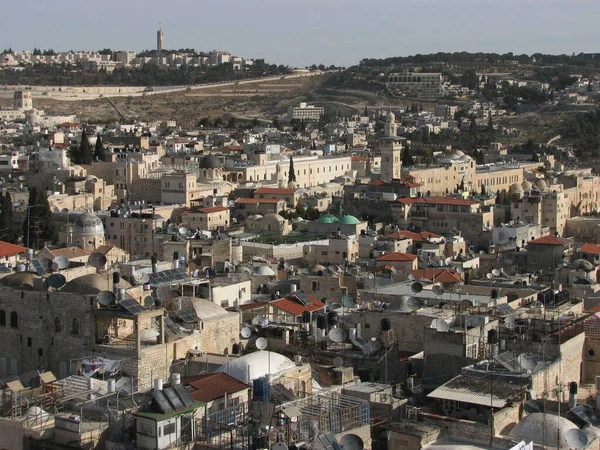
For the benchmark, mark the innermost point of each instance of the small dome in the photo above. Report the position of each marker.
(92, 283)
(19, 280)
(272, 217)
(457, 154)
(526, 185)
(88, 223)
(243, 269)
(256, 365)
(254, 217)
(349, 220)
(582, 264)
(327, 218)
(318, 268)
(541, 185)
(265, 271)
(210, 161)
(537, 426)
(515, 188)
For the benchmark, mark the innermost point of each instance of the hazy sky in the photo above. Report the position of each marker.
(303, 32)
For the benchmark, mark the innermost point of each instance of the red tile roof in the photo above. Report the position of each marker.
(437, 201)
(8, 249)
(275, 191)
(588, 247)
(440, 275)
(549, 240)
(69, 252)
(295, 308)
(215, 385)
(397, 256)
(252, 201)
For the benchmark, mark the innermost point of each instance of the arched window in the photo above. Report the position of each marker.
(2, 318)
(57, 325)
(14, 320)
(75, 327)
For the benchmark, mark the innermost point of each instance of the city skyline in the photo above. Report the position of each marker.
(301, 33)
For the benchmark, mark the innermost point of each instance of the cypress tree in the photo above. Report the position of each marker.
(99, 150)
(407, 158)
(291, 172)
(85, 150)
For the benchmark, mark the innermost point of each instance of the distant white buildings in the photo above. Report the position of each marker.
(306, 111)
(417, 84)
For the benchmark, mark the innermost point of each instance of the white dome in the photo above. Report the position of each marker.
(264, 270)
(88, 223)
(531, 428)
(255, 365)
(541, 185)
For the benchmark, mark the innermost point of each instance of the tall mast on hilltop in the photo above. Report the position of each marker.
(159, 40)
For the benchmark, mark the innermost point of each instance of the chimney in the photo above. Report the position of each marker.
(154, 264)
(116, 280)
(572, 394)
(121, 294)
(175, 260)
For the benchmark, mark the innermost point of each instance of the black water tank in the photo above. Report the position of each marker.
(386, 325)
(494, 293)
(305, 317)
(332, 318)
(235, 349)
(322, 322)
(492, 337)
(116, 278)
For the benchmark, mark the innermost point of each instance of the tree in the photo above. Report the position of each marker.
(37, 227)
(276, 123)
(99, 149)
(85, 155)
(491, 123)
(291, 172)
(7, 231)
(461, 186)
(483, 190)
(407, 157)
(232, 123)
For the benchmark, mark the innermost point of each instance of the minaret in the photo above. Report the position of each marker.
(391, 150)
(159, 41)
(280, 179)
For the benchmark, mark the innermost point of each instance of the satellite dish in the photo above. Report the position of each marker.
(21, 268)
(412, 277)
(105, 298)
(416, 287)
(352, 442)
(509, 322)
(440, 325)
(279, 446)
(183, 231)
(414, 304)
(97, 260)
(496, 272)
(54, 266)
(149, 301)
(149, 335)
(338, 362)
(576, 438)
(526, 361)
(246, 332)
(336, 335)
(62, 262)
(437, 289)
(260, 321)
(261, 343)
(46, 264)
(56, 280)
(489, 276)
(460, 269)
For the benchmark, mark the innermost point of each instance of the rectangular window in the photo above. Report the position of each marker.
(169, 429)
(29, 342)
(40, 352)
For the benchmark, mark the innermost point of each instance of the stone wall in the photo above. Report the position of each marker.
(220, 333)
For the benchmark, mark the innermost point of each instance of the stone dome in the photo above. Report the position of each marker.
(349, 220)
(272, 217)
(88, 223)
(92, 283)
(254, 217)
(541, 185)
(515, 188)
(265, 271)
(19, 280)
(582, 264)
(256, 365)
(526, 185)
(211, 161)
(327, 218)
(534, 427)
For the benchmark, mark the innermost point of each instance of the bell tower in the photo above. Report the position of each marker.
(390, 147)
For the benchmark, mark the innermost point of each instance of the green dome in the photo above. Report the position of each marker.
(349, 220)
(327, 218)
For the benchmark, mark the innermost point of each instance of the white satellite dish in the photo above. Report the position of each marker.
(279, 446)
(261, 343)
(576, 438)
(414, 304)
(336, 335)
(338, 362)
(352, 442)
(526, 361)
(260, 321)
(62, 262)
(148, 334)
(21, 268)
(183, 231)
(489, 276)
(509, 323)
(440, 325)
(496, 272)
(412, 277)
(437, 289)
(460, 269)
(246, 332)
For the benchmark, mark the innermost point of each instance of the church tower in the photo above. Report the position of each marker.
(390, 147)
